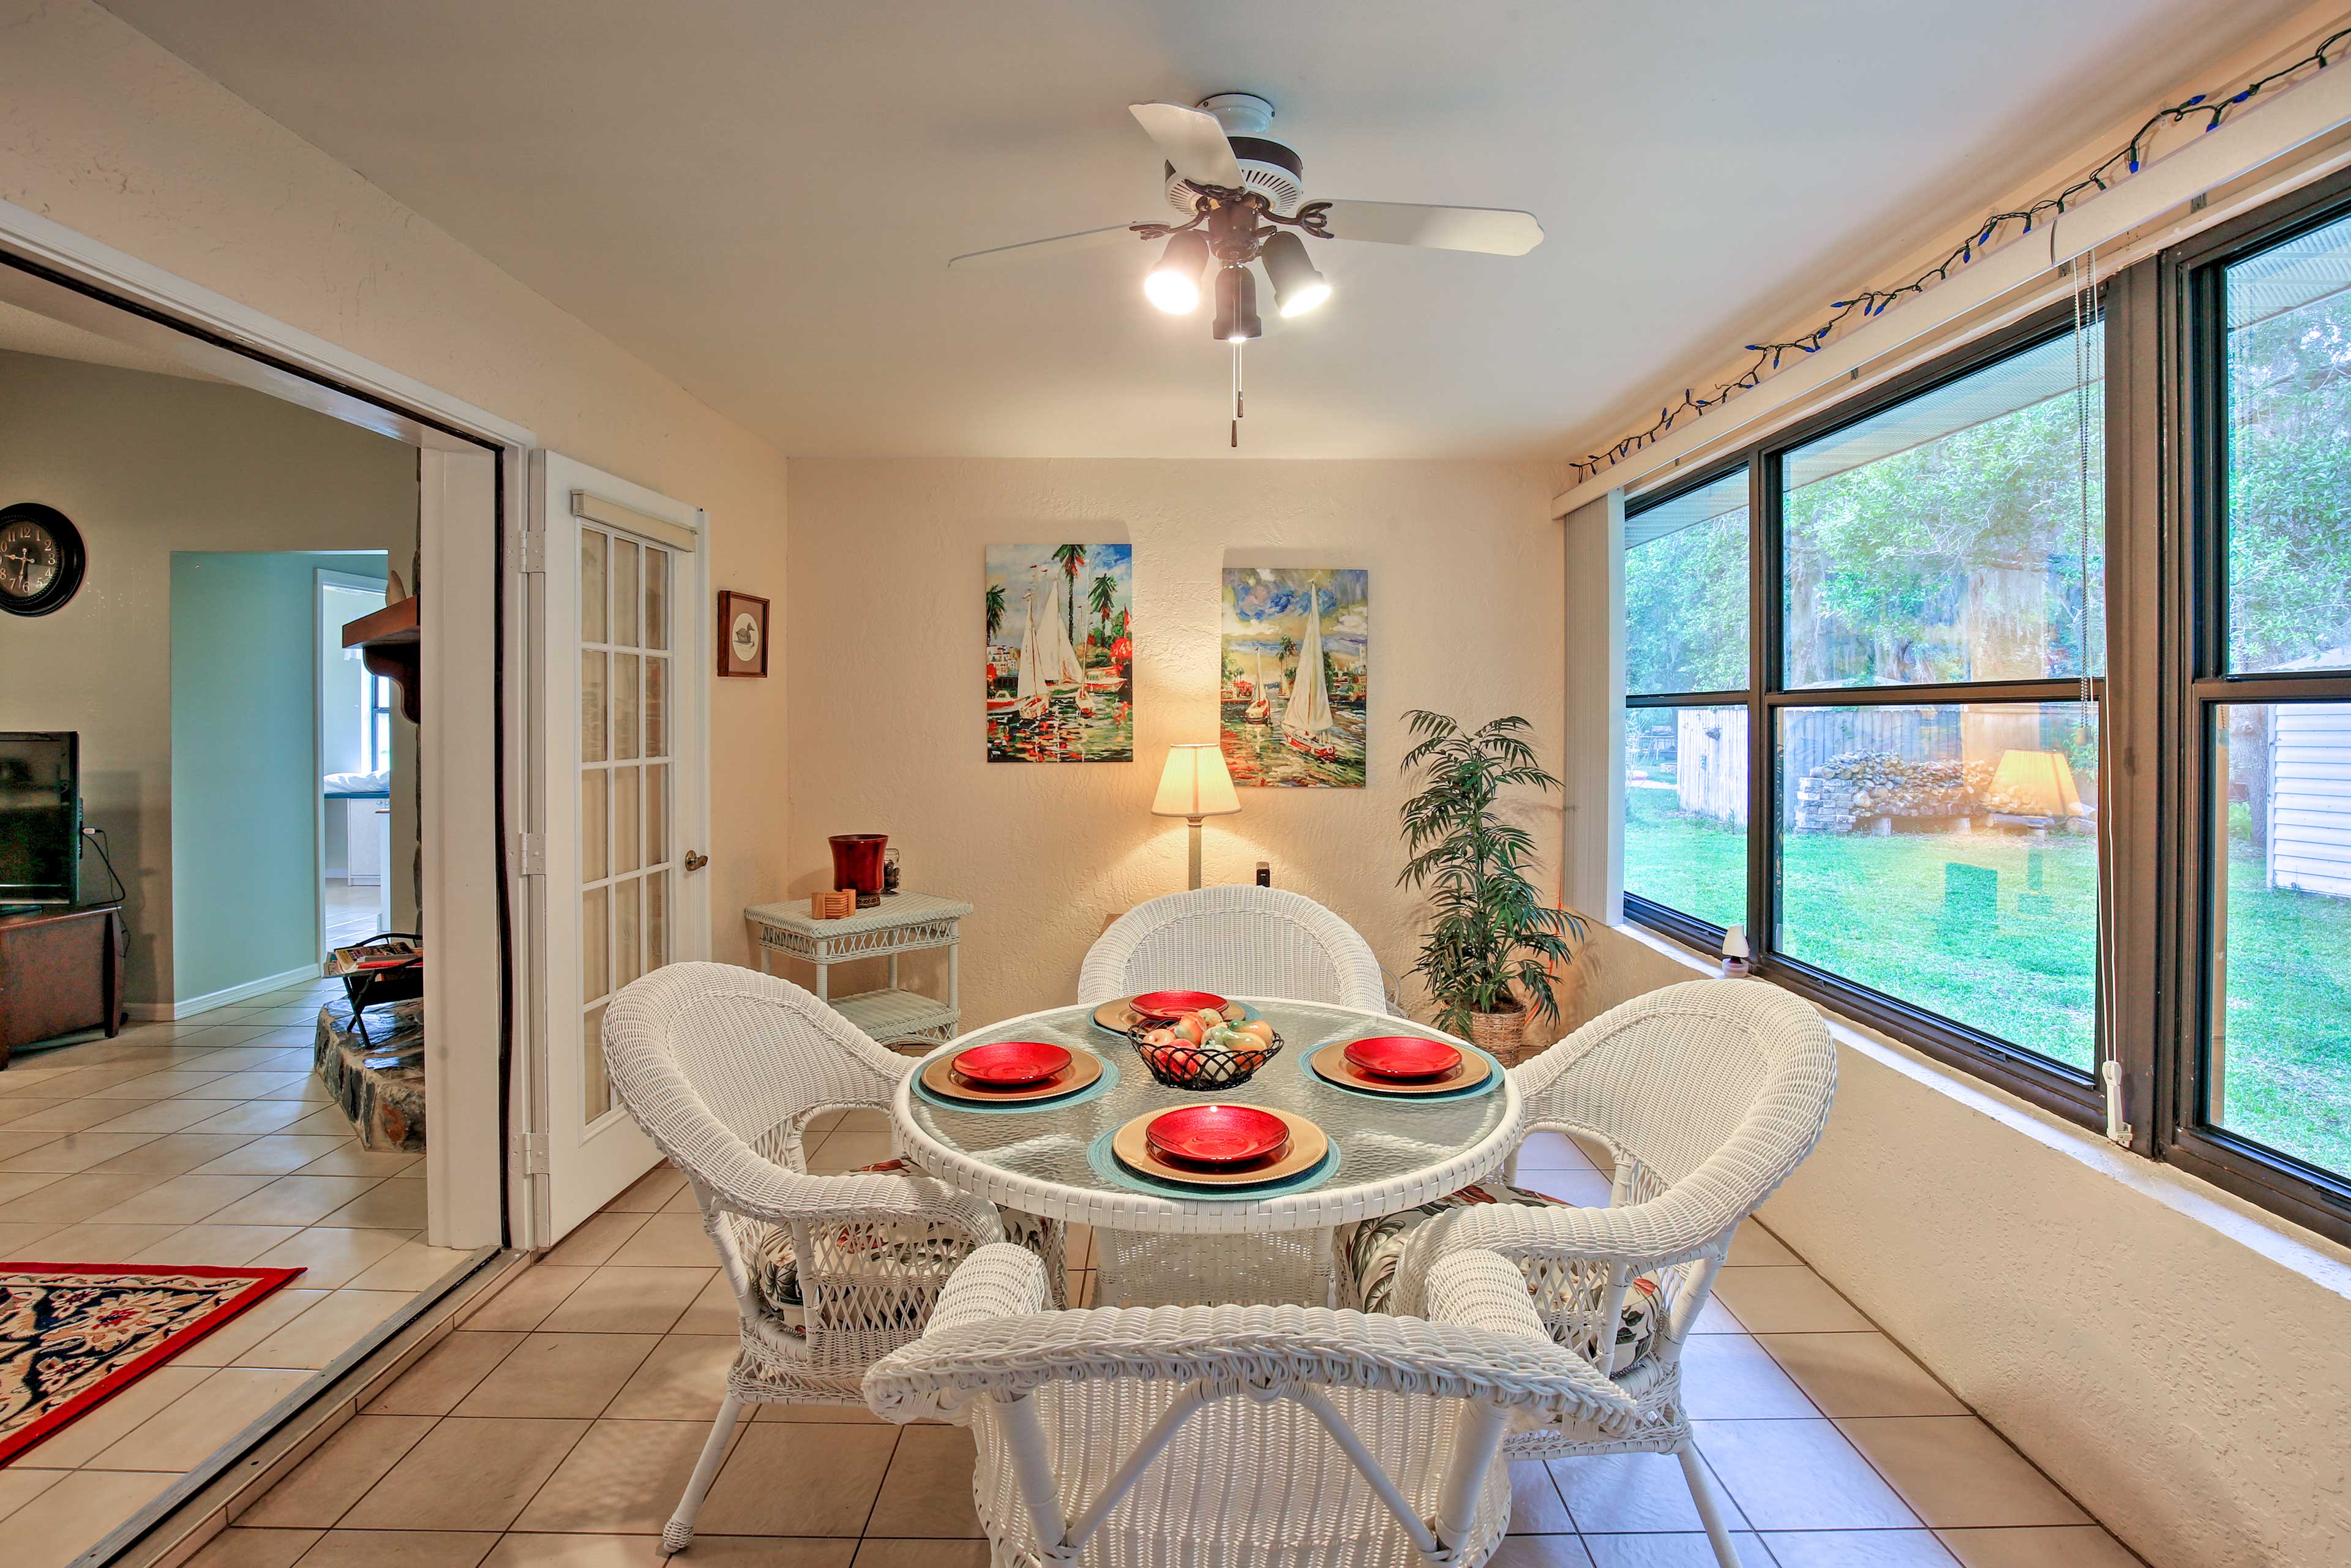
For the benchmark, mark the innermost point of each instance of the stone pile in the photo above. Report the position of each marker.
(1856, 788)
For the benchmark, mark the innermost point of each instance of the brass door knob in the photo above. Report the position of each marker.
(694, 861)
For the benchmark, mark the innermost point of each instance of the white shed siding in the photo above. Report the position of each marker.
(2310, 798)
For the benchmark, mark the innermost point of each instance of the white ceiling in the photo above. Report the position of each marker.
(759, 198)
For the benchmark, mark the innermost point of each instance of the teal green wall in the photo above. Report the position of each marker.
(244, 788)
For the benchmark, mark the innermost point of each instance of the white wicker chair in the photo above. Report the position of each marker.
(1238, 940)
(723, 1068)
(1708, 1094)
(1202, 1436)
(1241, 940)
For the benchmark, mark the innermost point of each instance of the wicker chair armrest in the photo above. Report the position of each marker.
(1679, 1226)
(739, 1181)
(1001, 1280)
(1502, 1358)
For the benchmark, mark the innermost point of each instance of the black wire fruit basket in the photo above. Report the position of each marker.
(1183, 1065)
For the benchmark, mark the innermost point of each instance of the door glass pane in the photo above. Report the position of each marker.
(656, 598)
(596, 1088)
(1947, 855)
(1686, 809)
(625, 950)
(591, 586)
(595, 944)
(2278, 1069)
(595, 830)
(656, 813)
(591, 707)
(1686, 592)
(2289, 473)
(656, 707)
(624, 594)
(624, 704)
(624, 820)
(656, 919)
(1942, 540)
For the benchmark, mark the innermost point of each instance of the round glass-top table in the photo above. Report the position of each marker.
(1391, 1152)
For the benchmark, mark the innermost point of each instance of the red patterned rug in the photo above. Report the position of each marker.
(74, 1335)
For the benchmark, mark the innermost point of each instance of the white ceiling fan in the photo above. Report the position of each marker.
(1240, 193)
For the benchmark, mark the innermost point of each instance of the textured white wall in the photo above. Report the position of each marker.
(107, 134)
(888, 729)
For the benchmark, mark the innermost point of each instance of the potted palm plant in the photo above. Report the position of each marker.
(1490, 951)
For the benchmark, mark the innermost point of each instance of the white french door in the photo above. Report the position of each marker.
(623, 754)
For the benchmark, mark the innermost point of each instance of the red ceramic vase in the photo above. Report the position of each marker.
(857, 865)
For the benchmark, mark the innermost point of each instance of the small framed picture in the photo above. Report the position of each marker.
(742, 633)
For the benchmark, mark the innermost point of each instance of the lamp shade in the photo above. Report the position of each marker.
(2036, 783)
(1195, 783)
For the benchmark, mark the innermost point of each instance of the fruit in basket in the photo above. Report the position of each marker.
(1259, 1029)
(1190, 1029)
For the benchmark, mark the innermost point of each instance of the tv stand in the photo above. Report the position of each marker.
(61, 971)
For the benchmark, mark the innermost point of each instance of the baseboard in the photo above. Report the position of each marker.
(188, 1006)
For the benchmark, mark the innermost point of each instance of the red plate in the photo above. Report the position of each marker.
(1011, 1063)
(1216, 1134)
(1403, 1056)
(1175, 1004)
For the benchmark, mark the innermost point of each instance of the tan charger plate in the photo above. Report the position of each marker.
(940, 1079)
(1308, 1145)
(1331, 1062)
(1119, 1016)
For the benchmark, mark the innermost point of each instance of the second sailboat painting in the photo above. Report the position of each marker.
(1296, 668)
(1061, 653)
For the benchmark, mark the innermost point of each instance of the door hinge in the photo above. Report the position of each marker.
(530, 1153)
(534, 552)
(530, 855)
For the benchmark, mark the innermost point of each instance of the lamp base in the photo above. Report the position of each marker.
(1195, 852)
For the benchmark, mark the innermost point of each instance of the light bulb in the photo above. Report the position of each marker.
(1298, 288)
(1175, 283)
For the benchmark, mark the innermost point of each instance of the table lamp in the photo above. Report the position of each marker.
(2037, 783)
(1196, 785)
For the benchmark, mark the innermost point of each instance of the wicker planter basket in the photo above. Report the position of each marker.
(1502, 1036)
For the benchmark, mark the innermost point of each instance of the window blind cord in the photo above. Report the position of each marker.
(2087, 449)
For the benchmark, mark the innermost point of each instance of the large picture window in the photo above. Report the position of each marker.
(2108, 869)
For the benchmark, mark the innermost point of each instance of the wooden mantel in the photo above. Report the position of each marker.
(388, 646)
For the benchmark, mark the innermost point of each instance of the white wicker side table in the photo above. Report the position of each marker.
(908, 923)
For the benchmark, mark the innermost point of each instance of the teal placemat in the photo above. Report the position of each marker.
(1094, 1090)
(1491, 1081)
(1109, 1166)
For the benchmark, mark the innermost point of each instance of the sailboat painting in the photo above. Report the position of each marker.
(1060, 652)
(1296, 668)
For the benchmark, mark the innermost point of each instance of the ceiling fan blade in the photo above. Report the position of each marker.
(1084, 239)
(1192, 140)
(1497, 231)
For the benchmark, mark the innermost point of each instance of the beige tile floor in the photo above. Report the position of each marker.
(205, 1141)
(558, 1426)
(353, 914)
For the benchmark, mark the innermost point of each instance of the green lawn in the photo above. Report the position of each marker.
(2008, 947)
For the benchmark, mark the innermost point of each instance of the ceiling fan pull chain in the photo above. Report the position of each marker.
(1238, 410)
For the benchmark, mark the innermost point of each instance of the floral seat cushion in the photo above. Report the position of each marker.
(1377, 1246)
(895, 1248)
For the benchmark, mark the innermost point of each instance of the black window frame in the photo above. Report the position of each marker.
(2036, 1078)
(2197, 683)
(2165, 674)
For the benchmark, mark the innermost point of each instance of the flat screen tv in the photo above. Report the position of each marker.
(40, 816)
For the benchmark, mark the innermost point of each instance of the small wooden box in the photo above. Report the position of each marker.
(832, 906)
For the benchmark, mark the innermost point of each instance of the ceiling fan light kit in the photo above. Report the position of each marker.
(1230, 181)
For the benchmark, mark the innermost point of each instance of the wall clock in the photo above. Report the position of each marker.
(41, 558)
